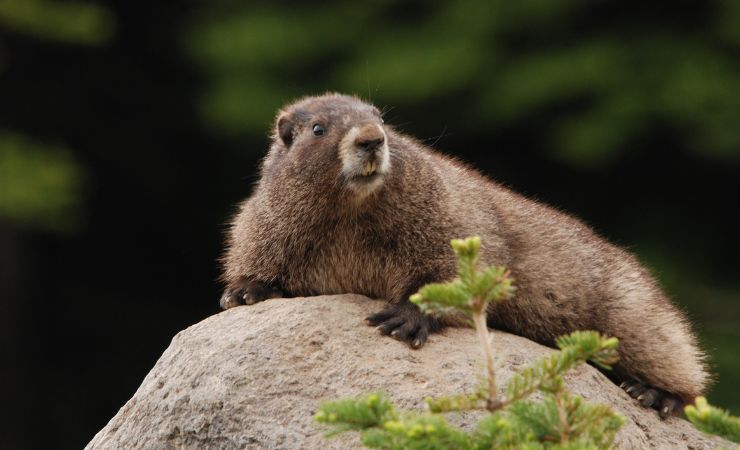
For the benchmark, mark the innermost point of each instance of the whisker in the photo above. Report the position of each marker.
(437, 138)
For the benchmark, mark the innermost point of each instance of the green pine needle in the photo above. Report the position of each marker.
(459, 402)
(575, 348)
(369, 411)
(472, 289)
(712, 420)
(417, 432)
(437, 296)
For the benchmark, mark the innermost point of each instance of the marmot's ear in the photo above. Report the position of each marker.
(285, 127)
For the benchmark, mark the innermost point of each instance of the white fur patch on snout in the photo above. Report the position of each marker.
(364, 174)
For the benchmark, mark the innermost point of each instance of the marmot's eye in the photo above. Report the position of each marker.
(318, 130)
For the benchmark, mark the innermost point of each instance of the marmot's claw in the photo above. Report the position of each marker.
(634, 388)
(404, 322)
(666, 403)
(671, 405)
(648, 397)
(248, 293)
(230, 299)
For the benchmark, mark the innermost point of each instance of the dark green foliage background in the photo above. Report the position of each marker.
(129, 130)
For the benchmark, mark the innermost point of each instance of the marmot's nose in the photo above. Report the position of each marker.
(370, 138)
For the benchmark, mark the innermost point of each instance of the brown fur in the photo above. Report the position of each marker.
(306, 231)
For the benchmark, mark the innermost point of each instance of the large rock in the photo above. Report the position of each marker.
(253, 377)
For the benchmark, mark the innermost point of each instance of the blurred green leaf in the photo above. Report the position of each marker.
(232, 106)
(68, 21)
(276, 39)
(40, 186)
(532, 80)
(515, 61)
(400, 70)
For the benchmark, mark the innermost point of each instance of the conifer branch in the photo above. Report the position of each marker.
(562, 420)
(470, 293)
(481, 330)
(371, 410)
(459, 402)
(575, 348)
(712, 420)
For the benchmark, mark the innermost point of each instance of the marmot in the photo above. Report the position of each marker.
(347, 204)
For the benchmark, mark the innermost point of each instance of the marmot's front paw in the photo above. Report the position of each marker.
(666, 403)
(405, 322)
(248, 292)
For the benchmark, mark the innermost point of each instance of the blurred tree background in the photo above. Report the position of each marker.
(129, 130)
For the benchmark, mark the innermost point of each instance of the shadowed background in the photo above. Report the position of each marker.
(129, 130)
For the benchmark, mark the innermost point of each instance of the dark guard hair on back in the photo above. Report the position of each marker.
(346, 204)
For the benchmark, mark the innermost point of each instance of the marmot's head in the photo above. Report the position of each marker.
(331, 138)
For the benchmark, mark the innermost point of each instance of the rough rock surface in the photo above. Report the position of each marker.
(253, 376)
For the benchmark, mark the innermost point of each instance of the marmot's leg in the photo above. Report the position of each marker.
(405, 322)
(248, 292)
(666, 403)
